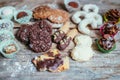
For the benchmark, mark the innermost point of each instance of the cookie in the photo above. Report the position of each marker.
(64, 43)
(51, 61)
(40, 37)
(42, 12)
(58, 17)
(23, 33)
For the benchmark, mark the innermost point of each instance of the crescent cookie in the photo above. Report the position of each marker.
(79, 16)
(83, 26)
(96, 17)
(91, 8)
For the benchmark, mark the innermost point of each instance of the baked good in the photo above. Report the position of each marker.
(83, 50)
(112, 15)
(82, 53)
(51, 61)
(91, 8)
(106, 44)
(23, 33)
(58, 17)
(37, 36)
(42, 12)
(109, 28)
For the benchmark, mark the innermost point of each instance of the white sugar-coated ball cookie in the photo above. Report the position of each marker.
(82, 53)
(91, 8)
(83, 40)
(83, 26)
(79, 16)
(96, 17)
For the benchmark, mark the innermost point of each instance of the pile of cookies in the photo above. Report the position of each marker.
(53, 15)
(50, 33)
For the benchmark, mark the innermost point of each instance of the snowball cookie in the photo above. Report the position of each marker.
(96, 17)
(91, 8)
(83, 40)
(83, 26)
(82, 53)
(79, 16)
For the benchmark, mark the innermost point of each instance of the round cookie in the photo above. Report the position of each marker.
(59, 16)
(42, 12)
(40, 36)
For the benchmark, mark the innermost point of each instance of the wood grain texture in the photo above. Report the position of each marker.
(100, 67)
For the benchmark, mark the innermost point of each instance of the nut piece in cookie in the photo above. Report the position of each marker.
(51, 61)
(42, 12)
(59, 16)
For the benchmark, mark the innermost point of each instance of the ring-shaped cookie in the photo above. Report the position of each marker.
(96, 17)
(83, 26)
(91, 8)
(78, 16)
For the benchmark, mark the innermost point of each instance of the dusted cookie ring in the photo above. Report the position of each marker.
(82, 27)
(96, 17)
(78, 16)
(91, 8)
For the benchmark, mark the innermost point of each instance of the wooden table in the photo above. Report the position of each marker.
(100, 67)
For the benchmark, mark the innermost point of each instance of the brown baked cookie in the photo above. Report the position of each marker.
(58, 16)
(42, 12)
(51, 61)
(23, 33)
(40, 37)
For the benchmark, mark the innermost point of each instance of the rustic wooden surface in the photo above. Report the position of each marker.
(100, 67)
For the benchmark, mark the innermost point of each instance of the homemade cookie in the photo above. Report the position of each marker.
(42, 12)
(59, 16)
(23, 33)
(40, 37)
(51, 61)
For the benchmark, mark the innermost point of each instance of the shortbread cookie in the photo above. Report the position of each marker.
(82, 53)
(83, 50)
(51, 61)
(83, 40)
(59, 16)
(42, 12)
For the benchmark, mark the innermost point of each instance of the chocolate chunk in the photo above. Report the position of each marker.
(64, 43)
(23, 33)
(58, 35)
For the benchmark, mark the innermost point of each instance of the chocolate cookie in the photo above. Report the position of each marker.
(40, 37)
(23, 33)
